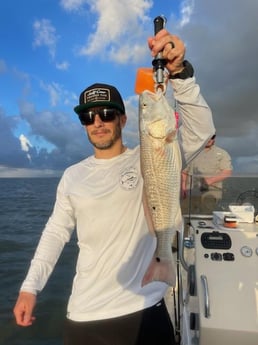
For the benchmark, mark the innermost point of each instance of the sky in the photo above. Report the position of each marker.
(51, 50)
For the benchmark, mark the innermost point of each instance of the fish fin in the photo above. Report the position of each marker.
(179, 220)
(160, 270)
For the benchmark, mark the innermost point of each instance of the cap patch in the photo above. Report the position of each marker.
(95, 95)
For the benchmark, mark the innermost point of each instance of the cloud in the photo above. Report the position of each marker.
(45, 35)
(72, 5)
(68, 140)
(11, 153)
(186, 11)
(54, 91)
(25, 143)
(69, 143)
(242, 162)
(63, 65)
(55, 127)
(58, 95)
(119, 30)
(222, 49)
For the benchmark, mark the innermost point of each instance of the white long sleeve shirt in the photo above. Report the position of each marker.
(102, 200)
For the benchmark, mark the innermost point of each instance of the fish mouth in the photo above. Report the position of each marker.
(157, 137)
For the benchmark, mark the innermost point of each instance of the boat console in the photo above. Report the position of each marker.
(220, 296)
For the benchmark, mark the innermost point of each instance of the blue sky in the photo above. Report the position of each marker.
(51, 50)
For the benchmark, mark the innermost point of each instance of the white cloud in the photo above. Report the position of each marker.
(58, 95)
(128, 53)
(187, 8)
(54, 91)
(63, 65)
(45, 35)
(25, 143)
(119, 28)
(72, 5)
(118, 33)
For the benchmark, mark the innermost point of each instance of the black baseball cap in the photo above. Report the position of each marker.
(98, 95)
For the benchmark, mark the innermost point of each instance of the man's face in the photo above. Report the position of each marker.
(101, 134)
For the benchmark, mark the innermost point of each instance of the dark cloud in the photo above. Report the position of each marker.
(10, 148)
(222, 43)
(67, 136)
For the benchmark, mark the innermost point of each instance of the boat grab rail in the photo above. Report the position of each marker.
(204, 281)
(181, 249)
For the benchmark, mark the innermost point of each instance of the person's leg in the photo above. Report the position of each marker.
(156, 326)
(115, 331)
(82, 333)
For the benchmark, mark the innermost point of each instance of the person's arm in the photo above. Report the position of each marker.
(225, 166)
(23, 310)
(219, 177)
(184, 178)
(197, 124)
(57, 232)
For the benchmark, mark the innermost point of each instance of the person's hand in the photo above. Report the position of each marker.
(173, 50)
(184, 190)
(207, 181)
(183, 193)
(204, 185)
(24, 308)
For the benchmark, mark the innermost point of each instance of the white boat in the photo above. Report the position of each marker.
(217, 300)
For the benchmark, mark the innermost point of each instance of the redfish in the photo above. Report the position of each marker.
(161, 166)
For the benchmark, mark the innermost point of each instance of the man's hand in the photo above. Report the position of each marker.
(24, 308)
(173, 50)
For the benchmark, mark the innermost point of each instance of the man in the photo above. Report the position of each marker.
(102, 197)
(204, 175)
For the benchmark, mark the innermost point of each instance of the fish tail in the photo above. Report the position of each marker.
(164, 240)
(162, 266)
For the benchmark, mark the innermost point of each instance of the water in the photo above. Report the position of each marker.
(25, 205)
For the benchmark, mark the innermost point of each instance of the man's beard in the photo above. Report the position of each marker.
(108, 143)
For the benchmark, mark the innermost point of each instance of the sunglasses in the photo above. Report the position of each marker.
(106, 115)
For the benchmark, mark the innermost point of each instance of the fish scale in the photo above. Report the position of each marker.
(161, 169)
(161, 181)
